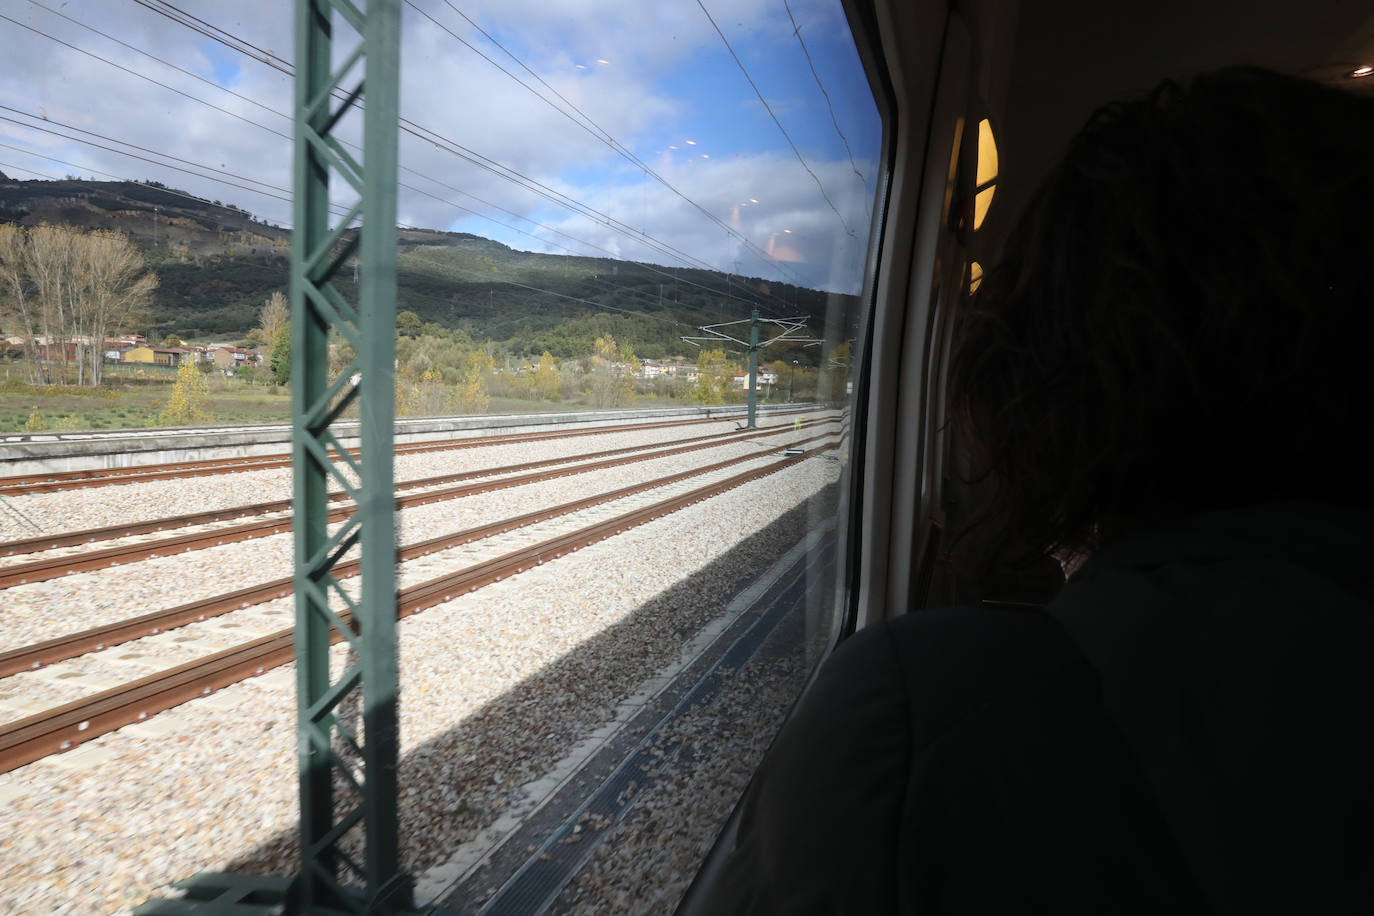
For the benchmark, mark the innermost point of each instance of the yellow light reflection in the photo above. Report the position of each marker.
(975, 276)
(981, 202)
(987, 153)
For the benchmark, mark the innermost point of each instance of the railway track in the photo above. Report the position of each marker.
(72, 480)
(65, 726)
(95, 639)
(55, 567)
(41, 543)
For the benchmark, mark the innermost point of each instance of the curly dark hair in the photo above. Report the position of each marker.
(1182, 317)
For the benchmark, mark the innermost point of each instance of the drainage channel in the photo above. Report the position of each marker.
(609, 782)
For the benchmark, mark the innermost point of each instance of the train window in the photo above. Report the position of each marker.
(617, 572)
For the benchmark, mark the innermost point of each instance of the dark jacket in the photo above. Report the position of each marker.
(1188, 728)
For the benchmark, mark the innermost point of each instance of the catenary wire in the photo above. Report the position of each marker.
(769, 108)
(647, 240)
(593, 128)
(796, 30)
(444, 143)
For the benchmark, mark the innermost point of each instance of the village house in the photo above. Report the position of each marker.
(175, 356)
(765, 378)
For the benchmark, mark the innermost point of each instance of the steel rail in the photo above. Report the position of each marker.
(66, 726)
(42, 543)
(102, 477)
(123, 554)
(61, 648)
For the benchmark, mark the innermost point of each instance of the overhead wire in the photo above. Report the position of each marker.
(445, 144)
(672, 252)
(769, 108)
(408, 291)
(593, 128)
(796, 30)
(336, 209)
(120, 152)
(143, 76)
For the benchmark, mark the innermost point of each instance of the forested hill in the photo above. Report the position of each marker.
(217, 265)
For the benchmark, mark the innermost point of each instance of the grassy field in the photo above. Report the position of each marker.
(133, 400)
(132, 404)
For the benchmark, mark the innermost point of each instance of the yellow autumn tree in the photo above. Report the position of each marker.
(547, 385)
(470, 394)
(188, 403)
(715, 373)
(611, 373)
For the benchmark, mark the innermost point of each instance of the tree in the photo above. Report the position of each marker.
(470, 394)
(715, 375)
(14, 275)
(279, 357)
(171, 340)
(275, 316)
(612, 368)
(408, 323)
(190, 396)
(117, 293)
(49, 265)
(73, 289)
(546, 382)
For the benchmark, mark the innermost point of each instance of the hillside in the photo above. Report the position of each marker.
(217, 265)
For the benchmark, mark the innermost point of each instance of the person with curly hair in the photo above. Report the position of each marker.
(1164, 379)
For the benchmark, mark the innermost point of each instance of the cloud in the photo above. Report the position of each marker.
(667, 79)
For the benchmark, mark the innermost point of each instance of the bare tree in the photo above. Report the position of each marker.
(17, 306)
(117, 290)
(49, 266)
(65, 285)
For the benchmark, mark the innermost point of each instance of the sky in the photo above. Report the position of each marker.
(634, 116)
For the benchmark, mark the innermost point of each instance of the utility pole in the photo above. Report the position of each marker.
(790, 327)
(753, 366)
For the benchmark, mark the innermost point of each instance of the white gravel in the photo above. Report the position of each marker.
(498, 685)
(100, 506)
(704, 760)
(105, 596)
(23, 693)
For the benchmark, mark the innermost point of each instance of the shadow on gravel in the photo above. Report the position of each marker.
(460, 782)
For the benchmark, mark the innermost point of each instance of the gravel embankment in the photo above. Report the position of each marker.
(105, 596)
(498, 686)
(62, 682)
(644, 864)
(100, 506)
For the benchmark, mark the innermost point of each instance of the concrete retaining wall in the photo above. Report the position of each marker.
(35, 453)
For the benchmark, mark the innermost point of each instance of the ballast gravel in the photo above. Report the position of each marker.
(78, 510)
(498, 685)
(99, 597)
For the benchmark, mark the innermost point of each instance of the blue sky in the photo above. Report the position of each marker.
(652, 75)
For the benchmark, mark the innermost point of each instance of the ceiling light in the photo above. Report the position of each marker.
(691, 143)
(752, 200)
(672, 147)
(600, 61)
(582, 66)
(788, 231)
(1361, 71)
(706, 155)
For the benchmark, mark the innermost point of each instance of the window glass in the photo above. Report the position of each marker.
(602, 206)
